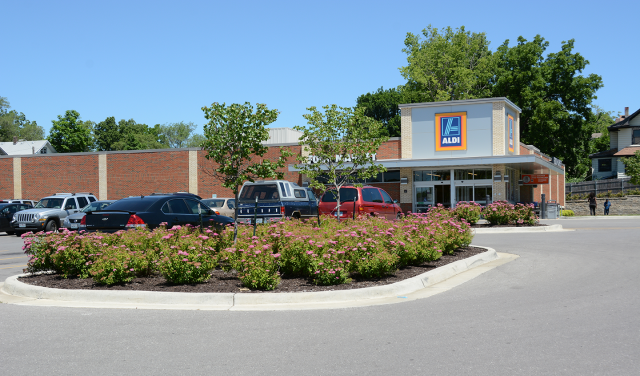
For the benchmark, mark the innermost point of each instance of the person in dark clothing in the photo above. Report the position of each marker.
(607, 205)
(593, 204)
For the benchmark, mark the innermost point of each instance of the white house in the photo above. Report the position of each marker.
(625, 141)
(21, 147)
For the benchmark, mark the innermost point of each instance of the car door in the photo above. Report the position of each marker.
(70, 206)
(5, 218)
(176, 212)
(373, 201)
(313, 203)
(390, 208)
(195, 208)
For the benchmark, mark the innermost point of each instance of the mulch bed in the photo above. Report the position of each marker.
(228, 282)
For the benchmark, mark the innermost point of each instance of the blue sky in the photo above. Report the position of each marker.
(161, 61)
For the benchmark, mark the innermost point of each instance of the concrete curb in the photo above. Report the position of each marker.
(13, 287)
(511, 230)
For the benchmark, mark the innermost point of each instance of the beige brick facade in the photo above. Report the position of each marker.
(406, 198)
(17, 178)
(193, 171)
(102, 177)
(498, 128)
(405, 129)
(499, 191)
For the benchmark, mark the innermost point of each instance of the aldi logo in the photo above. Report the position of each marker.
(451, 131)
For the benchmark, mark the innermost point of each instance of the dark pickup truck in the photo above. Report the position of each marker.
(277, 199)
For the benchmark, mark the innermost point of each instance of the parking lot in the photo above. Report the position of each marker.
(12, 258)
(567, 306)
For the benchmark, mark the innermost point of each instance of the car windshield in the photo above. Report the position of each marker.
(264, 192)
(97, 205)
(214, 203)
(346, 194)
(50, 203)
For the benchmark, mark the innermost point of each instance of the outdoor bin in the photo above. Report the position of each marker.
(552, 210)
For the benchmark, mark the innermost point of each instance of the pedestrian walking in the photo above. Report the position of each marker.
(593, 204)
(607, 205)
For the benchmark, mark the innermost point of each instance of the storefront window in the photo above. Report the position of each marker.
(441, 175)
(392, 176)
(463, 174)
(464, 193)
(424, 175)
(482, 174)
(480, 193)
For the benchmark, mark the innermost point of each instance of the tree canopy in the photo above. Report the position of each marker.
(15, 124)
(632, 167)
(69, 134)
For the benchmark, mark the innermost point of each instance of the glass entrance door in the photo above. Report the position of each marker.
(423, 199)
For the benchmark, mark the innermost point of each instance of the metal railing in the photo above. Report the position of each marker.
(600, 186)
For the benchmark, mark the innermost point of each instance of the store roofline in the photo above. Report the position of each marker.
(462, 102)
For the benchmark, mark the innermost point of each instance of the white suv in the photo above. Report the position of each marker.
(49, 212)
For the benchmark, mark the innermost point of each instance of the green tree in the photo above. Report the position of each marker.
(600, 122)
(340, 143)
(195, 141)
(127, 135)
(177, 134)
(448, 64)
(14, 124)
(69, 134)
(632, 167)
(382, 105)
(555, 99)
(233, 141)
(107, 134)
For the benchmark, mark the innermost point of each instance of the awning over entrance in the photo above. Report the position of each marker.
(530, 162)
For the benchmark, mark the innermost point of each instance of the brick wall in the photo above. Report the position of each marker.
(6, 178)
(59, 173)
(390, 150)
(132, 174)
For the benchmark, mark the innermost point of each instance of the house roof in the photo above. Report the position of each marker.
(24, 147)
(602, 154)
(624, 123)
(629, 151)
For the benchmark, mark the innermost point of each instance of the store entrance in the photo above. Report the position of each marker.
(442, 195)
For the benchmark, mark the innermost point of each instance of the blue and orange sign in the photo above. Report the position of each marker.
(511, 142)
(451, 131)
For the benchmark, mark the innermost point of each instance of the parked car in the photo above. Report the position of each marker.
(72, 222)
(7, 212)
(368, 200)
(18, 201)
(277, 199)
(150, 211)
(50, 212)
(224, 206)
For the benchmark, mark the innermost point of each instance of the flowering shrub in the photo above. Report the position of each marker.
(370, 247)
(504, 213)
(469, 211)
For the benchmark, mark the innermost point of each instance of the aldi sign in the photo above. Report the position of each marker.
(511, 142)
(451, 131)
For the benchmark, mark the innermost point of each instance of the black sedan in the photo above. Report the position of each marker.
(150, 211)
(6, 215)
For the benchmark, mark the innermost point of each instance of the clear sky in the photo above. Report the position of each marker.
(161, 61)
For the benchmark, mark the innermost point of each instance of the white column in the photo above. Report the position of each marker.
(17, 178)
(102, 177)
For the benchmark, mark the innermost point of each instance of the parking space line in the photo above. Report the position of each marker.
(11, 258)
(12, 267)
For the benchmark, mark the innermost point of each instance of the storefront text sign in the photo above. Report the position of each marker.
(347, 158)
(511, 143)
(451, 131)
(533, 179)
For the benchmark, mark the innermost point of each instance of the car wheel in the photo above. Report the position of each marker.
(51, 226)
(18, 233)
(296, 215)
(10, 232)
(399, 215)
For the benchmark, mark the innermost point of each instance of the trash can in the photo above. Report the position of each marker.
(552, 210)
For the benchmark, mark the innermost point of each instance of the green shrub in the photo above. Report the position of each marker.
(376, 265)
(469, 211)
(567, 213)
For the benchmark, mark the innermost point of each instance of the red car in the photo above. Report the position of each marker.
(368, 200)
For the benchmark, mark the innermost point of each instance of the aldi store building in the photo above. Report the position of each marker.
(448, 152)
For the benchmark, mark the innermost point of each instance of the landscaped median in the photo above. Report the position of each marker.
(13, 286)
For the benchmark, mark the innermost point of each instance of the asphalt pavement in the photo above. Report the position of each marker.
(569, 305)
(12, 257)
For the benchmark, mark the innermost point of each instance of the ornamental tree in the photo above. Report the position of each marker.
(632, 167)
(233, 140)
(340, 146)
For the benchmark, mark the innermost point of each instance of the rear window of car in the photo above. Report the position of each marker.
(346, 194)
(371, 195)
(261, 191)
(214, 203)
(136, 204)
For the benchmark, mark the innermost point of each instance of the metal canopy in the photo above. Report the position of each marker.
(523, 162)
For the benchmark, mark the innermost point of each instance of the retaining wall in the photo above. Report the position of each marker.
(628, 205)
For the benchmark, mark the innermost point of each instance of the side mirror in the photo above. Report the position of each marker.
(395, 201)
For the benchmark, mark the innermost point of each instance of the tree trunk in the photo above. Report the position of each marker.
(235, 217)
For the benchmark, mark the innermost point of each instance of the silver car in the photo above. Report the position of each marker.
(224, 206)
(72, 222)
